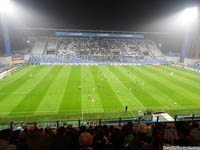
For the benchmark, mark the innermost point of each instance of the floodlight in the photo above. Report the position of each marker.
(5, 6)
(189, 15)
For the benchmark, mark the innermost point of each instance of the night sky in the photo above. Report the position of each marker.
(103, 15)
(115, 15)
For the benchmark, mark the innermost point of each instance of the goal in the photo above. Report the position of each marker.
(4, 74)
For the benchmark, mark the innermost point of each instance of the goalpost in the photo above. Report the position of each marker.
(5, 74)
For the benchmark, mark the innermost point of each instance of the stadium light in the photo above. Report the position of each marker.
(5, 5)
(189, 16)
(5, 8)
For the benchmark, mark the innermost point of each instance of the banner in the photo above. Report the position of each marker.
(137, 36)
(17, 57)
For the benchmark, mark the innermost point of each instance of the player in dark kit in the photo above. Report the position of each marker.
(126, 108)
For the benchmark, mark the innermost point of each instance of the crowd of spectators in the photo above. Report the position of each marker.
(51, 46)
(38, 48)
(94, 50)
(197, 66)
(95, 46)
(101, 47)
(152, 136)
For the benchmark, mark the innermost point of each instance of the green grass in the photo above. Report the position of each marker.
(53, 92)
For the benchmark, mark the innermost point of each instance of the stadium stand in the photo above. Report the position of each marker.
(142, 47)
(95, 50)
(197, 66)
(51, 47)
(172, 54)
(143, 136)
(2, 66)
(47, 59)
(154, 48)
(39, 46)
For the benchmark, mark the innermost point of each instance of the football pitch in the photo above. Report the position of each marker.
(93, 92)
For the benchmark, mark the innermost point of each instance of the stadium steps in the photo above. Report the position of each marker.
(45, 47)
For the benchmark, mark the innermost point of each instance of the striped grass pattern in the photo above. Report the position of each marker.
(77, 92)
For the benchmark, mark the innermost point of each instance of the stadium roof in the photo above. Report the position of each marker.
(98, 31)
(112, 15)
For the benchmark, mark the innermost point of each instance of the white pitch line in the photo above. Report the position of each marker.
(100, 110)
(15, 78)
(145, 91)
(128, 89)
(14, 93)
(138, 100)
(27, 91)
(89, 111)
(36, 83)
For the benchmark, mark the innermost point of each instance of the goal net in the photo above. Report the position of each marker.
(4, 74)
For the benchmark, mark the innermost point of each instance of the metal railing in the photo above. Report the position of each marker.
(95, 122)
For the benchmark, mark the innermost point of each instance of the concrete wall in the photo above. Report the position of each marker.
(26, 57)
(7, 60)
(18, 62)
(189, 61)
(173, 59)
